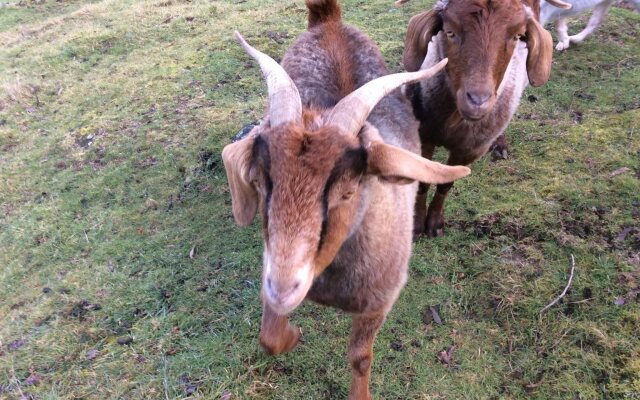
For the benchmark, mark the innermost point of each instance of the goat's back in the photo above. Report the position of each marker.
(331, 60)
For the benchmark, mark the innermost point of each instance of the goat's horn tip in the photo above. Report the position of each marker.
(239, 37)
(440, 65)
(462, 171)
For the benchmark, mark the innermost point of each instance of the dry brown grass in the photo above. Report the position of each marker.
(27, 32)
(18, 91)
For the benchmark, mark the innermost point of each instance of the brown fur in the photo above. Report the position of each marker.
(327, 199)
(340, 56)
(322, 11)
(464, 110)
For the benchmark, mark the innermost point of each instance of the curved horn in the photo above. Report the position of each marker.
(560, 4)
(352, 111)
(284, 100)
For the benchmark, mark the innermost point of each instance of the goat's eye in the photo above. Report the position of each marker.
(450, 34)
(347, 195)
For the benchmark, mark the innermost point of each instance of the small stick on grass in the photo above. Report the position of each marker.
(564, 292)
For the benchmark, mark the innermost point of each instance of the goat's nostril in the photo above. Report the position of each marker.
(478, 98)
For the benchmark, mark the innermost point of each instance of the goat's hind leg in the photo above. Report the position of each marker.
(563, 36)
(363, 332)
(276, 334)
(599, 12)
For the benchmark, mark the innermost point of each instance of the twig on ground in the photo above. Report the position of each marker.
(564, 292)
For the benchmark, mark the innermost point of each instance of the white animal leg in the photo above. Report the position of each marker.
(599, 12)
(563, 37)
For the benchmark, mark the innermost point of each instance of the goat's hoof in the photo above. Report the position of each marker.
(435, 225)
(435, 232)
(281, 344)
(499, 148)
(435, 229)
(562, 46)
(499, 153)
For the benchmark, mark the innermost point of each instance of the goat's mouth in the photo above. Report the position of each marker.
(472, 116)
(474, 113)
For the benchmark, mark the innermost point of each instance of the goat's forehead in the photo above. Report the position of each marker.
(313, 150)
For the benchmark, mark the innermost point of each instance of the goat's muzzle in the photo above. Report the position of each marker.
(284, 287)
(475, 103)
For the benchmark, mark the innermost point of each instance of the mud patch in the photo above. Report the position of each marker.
(208, 160)
(189, 386)
(526, 257)
(496, 225)
(19, 343)
(85, 141)
(585, 226)
(80, 309)
(277, 37)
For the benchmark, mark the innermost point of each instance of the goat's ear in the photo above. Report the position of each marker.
(540, 46)
(237, 162)
(421, 28)
(398, 165)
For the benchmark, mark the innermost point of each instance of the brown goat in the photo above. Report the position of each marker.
(333, 173)
(494, 48)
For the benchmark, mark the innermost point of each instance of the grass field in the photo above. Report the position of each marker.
(123, 275)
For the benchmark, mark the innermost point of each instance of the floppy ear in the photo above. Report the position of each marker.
(237, 162)
(540, 46)
(421, 28)
(401, 166)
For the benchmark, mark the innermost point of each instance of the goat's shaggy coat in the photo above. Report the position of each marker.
(335, 192)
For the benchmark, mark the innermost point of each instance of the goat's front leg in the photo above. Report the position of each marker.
(420, 209)
(435, 215)
(276, 334)
(563, 36)
(363, 333)
(598, 15)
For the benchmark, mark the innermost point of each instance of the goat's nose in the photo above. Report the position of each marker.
(478, 98)
(280, 290)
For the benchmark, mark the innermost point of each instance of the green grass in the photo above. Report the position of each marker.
(113, 115)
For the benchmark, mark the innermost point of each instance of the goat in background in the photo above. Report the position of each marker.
(494, 47)
(549, 13)
(332, 169)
